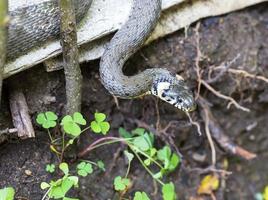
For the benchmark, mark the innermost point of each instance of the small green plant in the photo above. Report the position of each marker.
(168, 191)
(121, 184)
(99, 125)
(70, 126)
(50, 168)
(59, 188)
(141, 196)
(140, 144)
(47, 120)
(83, 169)
(7, 193)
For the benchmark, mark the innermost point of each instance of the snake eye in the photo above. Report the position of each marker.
(179, 100)
(164, 95)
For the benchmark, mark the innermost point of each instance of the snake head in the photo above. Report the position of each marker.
(174, 91)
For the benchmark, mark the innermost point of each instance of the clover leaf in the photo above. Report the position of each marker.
(124, 133)
(83, 169)
(71, 124)
(50, 168)
(170, 160)
(143, 142)
(121, 184)
(47, 119)
(168, 191)
(99, 125)
(101, 165)
(64, 168)
(129, 156)
(141, 196)
(59, 188)
(7, 193)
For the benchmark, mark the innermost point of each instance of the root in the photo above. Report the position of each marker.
(220, 95)
(219, 135)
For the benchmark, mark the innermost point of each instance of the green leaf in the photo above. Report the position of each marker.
(83, 169)
(51, 116)
(168, 191)
(99, 125)
(170, 160)
(129, 156)
(66, 185)
(44, 185)
(174, 161)
(64, 168)
(99, 117)
(72, 128)
(141, 196)
(95, 127)
(121, 184)
(138, 131)
(74, 179)
(56, 192)
(71, 125)
(158, 175)
(79, 119)
(7, 193)
(47, 120)
(101, 165)
(123, 133)
(50, 168)
(164, 153)
(105, 127)
(142, 142)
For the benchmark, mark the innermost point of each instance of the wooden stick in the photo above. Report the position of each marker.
(20, 112)
(73, 76)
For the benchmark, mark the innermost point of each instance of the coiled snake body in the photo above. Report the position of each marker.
(34, 24)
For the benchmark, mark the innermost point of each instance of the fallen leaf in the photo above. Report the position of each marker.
(208, 184)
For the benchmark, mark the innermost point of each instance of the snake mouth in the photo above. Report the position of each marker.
(175, 93)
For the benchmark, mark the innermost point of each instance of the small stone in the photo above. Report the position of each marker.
(199, 157)
(28, 172)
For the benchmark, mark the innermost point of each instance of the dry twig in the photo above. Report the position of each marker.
(73, 76)
(243, 73)
(219, 135)
(211, 143)
(198, 58)
(220, 95)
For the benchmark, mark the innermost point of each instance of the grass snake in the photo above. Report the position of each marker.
(31, 25)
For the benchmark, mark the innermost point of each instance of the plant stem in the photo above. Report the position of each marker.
(147, 169)
(144, 154)
(73, 76)
(63, 146)
(95, 144)
(128, 169)
(49, 135)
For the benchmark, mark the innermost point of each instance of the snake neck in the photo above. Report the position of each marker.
(142, 20)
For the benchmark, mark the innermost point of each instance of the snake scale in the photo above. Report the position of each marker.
(31, 25)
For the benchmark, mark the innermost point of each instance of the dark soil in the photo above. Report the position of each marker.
(22, 162)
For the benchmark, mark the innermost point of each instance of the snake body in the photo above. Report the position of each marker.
(32, 25)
